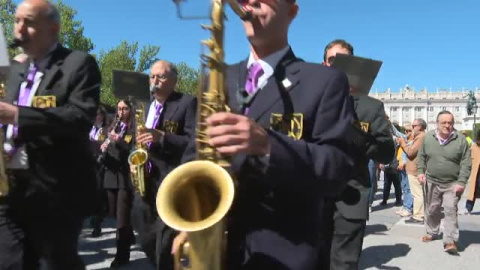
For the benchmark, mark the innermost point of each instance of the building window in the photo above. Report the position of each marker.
(444, 108)
(406, 110)
(418, 109)
(394, 109)
(430, 109)
(457, 109)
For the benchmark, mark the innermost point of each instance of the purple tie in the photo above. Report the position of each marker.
(25, 92)
(254, 72)
(158, 111)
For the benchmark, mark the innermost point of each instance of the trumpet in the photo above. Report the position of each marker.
(196, 196)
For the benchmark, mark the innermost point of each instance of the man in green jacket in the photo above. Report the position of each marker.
(444, 167)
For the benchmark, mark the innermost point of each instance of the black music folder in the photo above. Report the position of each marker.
(4, 60)
(361, 72)
(131, 84)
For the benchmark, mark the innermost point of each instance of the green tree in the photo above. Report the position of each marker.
(188, 79)
(7, 18)
(123, 57)
(71, 30)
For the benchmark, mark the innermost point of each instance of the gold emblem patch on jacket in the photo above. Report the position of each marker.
(128, 138)
(363, 126)
(170, 126)
(288, 124)
(44, 102)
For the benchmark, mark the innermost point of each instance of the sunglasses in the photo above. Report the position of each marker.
(408, 130)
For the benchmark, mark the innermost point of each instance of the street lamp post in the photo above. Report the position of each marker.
(474, 111)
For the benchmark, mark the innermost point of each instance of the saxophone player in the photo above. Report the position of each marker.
(170, 126)
(287, 136)
(51, 168)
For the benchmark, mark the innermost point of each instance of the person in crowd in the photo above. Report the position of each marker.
(97, 136)
(416, 187)
(289, 144)
(392, 175)
(116, 181)
(346, 215)
(407, 209)
(443, 167)
(170, 126)
(50, 168)
(474, 185)
(469, 140)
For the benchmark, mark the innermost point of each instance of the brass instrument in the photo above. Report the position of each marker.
(196, 196)
(138, 158)
(4, 186)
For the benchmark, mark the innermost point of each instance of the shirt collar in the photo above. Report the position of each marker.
(42, 64)
(448, 139)
(270, 62)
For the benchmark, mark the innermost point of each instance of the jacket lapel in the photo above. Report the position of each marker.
(284, 79)
(170, 108)
(236, 84)
(52, 72)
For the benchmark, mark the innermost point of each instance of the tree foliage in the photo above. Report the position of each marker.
(123, 57)
(71, 30)
(7, 18)
(188, 78)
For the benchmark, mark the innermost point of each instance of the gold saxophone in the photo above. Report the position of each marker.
(196, 196)
(138, 158)
(4, 186)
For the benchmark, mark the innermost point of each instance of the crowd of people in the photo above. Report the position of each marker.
(304, 147)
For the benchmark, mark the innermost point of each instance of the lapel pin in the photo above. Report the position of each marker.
(286, 83)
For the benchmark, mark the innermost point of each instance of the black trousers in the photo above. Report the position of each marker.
(343, 240)
(154, 235)
(390, 178)
(34, 230)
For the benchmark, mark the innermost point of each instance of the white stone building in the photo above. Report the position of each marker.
(407, 104)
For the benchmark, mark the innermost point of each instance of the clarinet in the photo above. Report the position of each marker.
(101, 157)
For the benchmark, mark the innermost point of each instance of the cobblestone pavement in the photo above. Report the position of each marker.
(390, 244)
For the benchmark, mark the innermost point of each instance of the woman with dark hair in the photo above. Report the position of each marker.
(117, 182)
(474, 187)
(97, 137)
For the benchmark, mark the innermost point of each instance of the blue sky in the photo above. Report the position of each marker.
(423, 43)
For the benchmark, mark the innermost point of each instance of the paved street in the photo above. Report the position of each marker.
(390, 244)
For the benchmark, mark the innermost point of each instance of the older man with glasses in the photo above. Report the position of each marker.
(444, 168)
(411, 150)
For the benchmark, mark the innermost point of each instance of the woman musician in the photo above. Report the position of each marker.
(117, 183)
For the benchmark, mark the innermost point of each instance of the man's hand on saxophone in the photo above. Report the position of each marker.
(150, 136)
(232, 134)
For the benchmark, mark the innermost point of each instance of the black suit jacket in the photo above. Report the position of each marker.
(276, 217)
(371, 139)
(56, 139)
(117, 169)
(178, 122)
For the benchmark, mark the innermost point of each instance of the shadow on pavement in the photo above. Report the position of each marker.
(375, 229)
(377, 256)
(468, 238)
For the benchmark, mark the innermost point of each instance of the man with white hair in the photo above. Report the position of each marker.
(51, 103)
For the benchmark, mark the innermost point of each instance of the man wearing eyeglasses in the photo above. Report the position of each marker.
(346, 214)
(416, 188)
(170, 125)
(444, 164)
